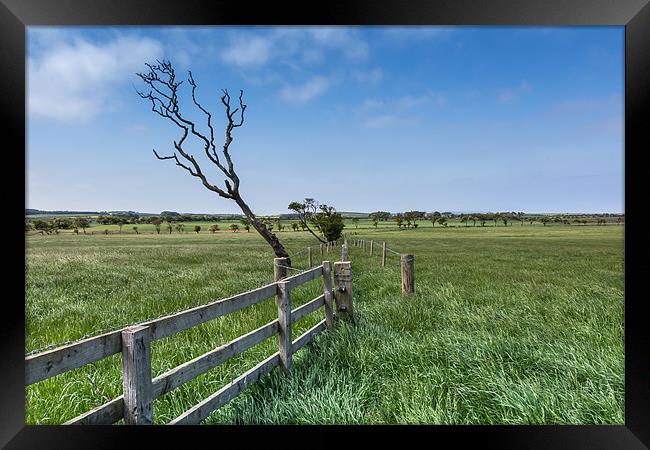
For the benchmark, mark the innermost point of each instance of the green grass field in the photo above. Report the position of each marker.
(516, 325)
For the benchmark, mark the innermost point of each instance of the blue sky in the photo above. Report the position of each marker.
(362, 118)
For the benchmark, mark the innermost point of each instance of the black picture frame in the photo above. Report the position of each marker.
(16, 15)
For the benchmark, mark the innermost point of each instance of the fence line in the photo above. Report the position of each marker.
(406, 261)
(134, 342)
(140, 389)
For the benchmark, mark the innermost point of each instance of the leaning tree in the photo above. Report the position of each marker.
(163, 93)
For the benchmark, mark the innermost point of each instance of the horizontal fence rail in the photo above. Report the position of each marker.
(135, 406)
(54, 362)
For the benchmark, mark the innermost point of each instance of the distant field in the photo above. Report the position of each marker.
(517, 324)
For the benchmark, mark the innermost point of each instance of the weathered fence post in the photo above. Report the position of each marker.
(136, 375)
(280, 268)
(343, 290)
(309, 260)
(283, 299)
(372, 246)
(321, 251)
(408, 283)
(345, 252)
(327, 288)
(383, 254)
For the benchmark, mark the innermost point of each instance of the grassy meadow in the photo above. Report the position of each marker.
(508, 325)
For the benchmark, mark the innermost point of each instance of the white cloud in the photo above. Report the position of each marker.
(306, 91)
(287, 44)
(301, 49)
(342, 39)
(249, 52)
(75, 81)
(189, 46)
(505, 95)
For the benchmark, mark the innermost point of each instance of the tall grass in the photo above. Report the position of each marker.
(507, 325)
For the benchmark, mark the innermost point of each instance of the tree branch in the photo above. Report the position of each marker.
(163, 95)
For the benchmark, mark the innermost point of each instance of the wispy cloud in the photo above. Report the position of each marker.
(369, 104)
(75, 80)
(294, 45)
(379, 113)
(345, 40)
(248, 52)
(188, 47)
(266, 54)
(508, 94)
(411, 102)
(387, 120)
(304, 92)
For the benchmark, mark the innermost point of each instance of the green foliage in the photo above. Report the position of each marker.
(330, 224)
(197, 229)
(324, 218)
(42, 226)
(81, 222)
(399, 219)
(380, 216)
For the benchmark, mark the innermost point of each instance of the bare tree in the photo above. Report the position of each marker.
(163, 95)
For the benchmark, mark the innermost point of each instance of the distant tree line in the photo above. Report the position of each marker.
(320, 220)
(409, 219)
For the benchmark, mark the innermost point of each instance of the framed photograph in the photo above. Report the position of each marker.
(370, 218)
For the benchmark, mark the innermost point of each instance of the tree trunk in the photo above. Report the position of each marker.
(269, 237)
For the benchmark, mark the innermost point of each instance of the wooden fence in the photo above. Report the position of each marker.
(407, 260)
(135, 406)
